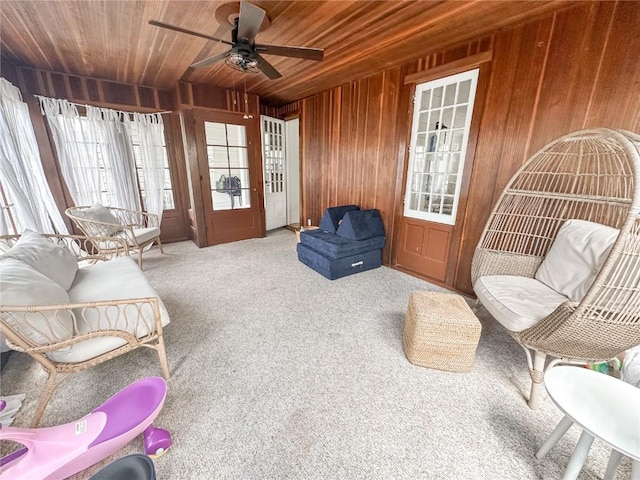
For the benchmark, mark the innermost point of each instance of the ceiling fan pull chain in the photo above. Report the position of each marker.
(246, 97)
(233, 79)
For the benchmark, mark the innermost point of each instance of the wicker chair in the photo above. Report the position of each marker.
(92, 324)
(591, 175)
(139, 229)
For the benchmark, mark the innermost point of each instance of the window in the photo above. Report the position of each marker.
(167, 198)
(84, 143)
(228, 165)
(440, 132)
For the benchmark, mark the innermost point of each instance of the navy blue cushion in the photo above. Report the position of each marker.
(361, 225)
(332, 216)
(334, 246)
(333, 268)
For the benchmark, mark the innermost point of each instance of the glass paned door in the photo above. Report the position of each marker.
(274, 167)
(273, 154)
(228, 165)
(440, 132)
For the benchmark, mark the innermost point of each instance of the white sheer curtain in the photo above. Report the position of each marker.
(114, 137)
(152, 153)
(21, 173)
(105, 136)
(77, 147)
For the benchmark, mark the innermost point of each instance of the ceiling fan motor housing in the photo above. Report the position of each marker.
(244, 54)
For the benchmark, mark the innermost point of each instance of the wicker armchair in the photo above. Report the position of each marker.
(139, 229)
(591, 175)
(105, 309)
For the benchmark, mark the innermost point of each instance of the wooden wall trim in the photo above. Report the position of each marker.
(191, 95)
(175, 223)
(197, 227)
(450, 68)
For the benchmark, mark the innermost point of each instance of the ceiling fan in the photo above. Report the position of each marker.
(245, 54)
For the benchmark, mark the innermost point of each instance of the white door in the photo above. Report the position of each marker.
(274, 168)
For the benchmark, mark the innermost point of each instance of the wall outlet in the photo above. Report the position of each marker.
(308, 222)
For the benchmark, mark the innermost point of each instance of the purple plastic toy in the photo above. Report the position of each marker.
(59, 452)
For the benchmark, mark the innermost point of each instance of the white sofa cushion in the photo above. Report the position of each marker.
(99, 213)
(516, 302)
(51, 260)
(82, 351)
(576, 256)
(22, 285)
(117, 279)
(142, 234)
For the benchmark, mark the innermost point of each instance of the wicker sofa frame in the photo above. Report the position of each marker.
(117, 310)
(590, 175)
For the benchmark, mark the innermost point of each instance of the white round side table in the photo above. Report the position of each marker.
(604, 407)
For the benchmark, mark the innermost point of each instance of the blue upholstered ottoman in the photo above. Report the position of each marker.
(348, 241)
(333, 268)
(334, 246)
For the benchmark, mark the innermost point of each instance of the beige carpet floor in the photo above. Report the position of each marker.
(278, 373)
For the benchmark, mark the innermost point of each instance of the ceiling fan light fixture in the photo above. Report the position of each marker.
(245, 55)
(242, 63)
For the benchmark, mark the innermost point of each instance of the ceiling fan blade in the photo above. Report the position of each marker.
(296, 52)
(188, 32)
(249, 22)
(267, 68)
(210, 60)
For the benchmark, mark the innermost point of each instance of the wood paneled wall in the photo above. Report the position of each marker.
(349, 147)
(92, 90)
(575, 69)
(191, 95)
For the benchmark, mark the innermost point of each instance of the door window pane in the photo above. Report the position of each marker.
(217, 157)
(216, 133)
(273, 156)
(236, 135)
(228, 165)
(440, 132)
(238, 157)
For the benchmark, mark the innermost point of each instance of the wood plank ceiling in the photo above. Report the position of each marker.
(112, 40)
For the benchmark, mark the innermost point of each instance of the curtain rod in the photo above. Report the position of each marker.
(123, 111)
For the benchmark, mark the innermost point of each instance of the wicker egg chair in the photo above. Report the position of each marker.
(591, 175)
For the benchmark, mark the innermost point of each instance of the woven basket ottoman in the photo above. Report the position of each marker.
(440, 332)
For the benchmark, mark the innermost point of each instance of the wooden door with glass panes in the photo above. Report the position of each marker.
(439, 137)
(231, 171)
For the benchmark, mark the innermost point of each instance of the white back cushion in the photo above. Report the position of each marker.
(576, 256)
(21, 285)
(99, 213)
(51, 260)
